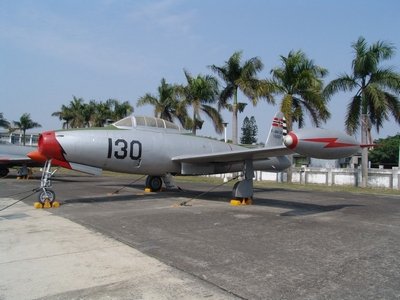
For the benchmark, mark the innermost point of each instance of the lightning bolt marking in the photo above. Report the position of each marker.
(330, 142)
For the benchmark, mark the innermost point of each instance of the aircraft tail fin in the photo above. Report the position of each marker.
(277, 132)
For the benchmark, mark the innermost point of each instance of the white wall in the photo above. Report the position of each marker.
(383, 178)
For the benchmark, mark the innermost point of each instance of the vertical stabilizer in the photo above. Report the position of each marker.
(277, 132)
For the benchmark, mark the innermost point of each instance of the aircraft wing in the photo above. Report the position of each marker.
(11, 155)
(13, 158)
(235, 155)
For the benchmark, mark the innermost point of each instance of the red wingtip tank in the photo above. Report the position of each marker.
(321, 143)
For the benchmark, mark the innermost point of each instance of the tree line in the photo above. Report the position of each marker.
(76, 114)
(298, 82)
(79, 114)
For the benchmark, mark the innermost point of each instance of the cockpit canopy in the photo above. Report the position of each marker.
(149, 122)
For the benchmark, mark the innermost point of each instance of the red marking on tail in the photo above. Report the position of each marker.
(277, 122)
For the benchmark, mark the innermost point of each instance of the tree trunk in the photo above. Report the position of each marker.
(364, 151)
(235, 119)
(234, 124)
(289, 171)
(23, 136)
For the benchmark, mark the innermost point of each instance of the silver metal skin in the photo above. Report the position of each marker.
(161, 152)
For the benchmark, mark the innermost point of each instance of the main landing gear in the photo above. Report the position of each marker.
(47, 197)
(154, 183)
(242, 192)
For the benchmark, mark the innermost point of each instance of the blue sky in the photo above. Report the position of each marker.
(52, 50)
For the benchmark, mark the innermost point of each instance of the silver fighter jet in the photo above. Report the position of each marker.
(159, 149)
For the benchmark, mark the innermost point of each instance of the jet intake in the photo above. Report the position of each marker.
(49, 147)
(321, 143)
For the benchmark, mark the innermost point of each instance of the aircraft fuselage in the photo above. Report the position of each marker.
(150, 152)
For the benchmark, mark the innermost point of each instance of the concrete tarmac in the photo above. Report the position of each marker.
(136, 245)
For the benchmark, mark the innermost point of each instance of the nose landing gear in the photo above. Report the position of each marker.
(47, 197)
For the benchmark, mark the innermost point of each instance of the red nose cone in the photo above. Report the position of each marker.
(50, 147)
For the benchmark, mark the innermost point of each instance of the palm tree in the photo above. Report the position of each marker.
(166, 103)
(199, 93)
(376, 88)
(25, 122)
(64, 114)
(120, 110)
(88, 113)
(102, 113)
(72, 114)
(76, 106)
(243, 77)
(299, 81)
(3, 122)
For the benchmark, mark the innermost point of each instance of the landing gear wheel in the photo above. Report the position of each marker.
(47, 195)
(4, 172)
(154, 183)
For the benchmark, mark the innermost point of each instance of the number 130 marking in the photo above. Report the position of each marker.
(122, 149)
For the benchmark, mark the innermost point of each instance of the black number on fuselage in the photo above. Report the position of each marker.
(135, 152)
(121, 149)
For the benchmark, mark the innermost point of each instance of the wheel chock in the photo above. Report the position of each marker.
(47, 204)
(235, 202)
(37, 205)
(244, 201)
(147, 190)
(55, 204)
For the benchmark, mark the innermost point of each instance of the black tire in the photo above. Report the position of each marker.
(235, 186)
(4, 172)
(154, 183)
(47, 194)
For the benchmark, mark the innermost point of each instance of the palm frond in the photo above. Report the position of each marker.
(352, 121)
(393, 105)
(344, 83)
(215, 116)
(386, 78)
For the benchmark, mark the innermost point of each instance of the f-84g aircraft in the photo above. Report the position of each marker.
(159, 149)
